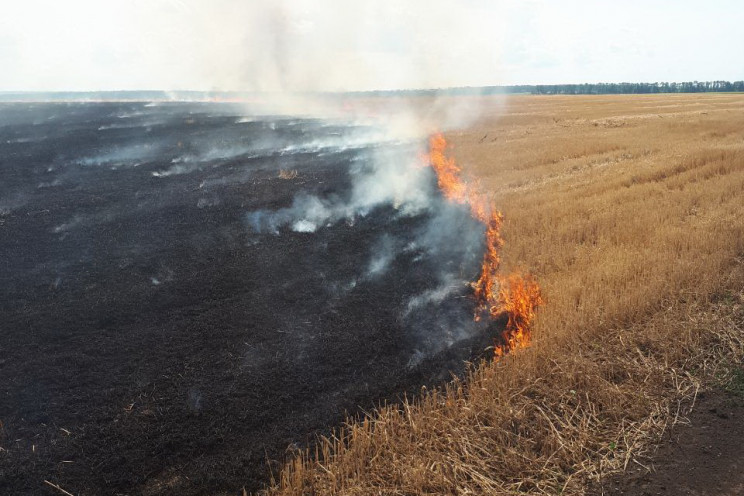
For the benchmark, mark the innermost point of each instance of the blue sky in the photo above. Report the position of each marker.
(279, 45)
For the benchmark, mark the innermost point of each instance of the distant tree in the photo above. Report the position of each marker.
(627, 88)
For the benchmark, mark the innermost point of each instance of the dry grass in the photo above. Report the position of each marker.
(630, 212)
(287, 174)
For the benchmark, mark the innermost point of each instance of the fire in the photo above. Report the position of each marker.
(448, 173)
(484, 287)
(516, 297)
(519, 298)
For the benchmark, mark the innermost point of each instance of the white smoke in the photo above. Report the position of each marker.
(383, 253)
(12, 202)
(293, 49)
(286, 50)
(388, 178)
(445, 241)
(127, 155)
(433, 296)
(286, 46)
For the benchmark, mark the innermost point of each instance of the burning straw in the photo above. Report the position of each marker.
(514, 296)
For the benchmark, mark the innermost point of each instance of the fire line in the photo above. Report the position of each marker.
(514, 296)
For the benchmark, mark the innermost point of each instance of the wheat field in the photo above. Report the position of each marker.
(629, 211)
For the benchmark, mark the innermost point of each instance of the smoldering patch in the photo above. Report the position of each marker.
(11, 203)
(74, 222)
(432, 296)
(383, 253)
(129, 155)
(414, 240)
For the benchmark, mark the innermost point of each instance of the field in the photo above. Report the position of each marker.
(190, 296)
(629, 212)
(178, 283)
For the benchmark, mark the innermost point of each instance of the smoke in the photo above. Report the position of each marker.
(383, 253)
(291, 46)
(432, 296)
(11, 202)
(373, 46)
(133, 154)
(391, 186)
(388, 177)
(291, 53)
(368, 46)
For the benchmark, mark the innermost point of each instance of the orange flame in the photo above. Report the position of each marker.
(515, 296)
(519, 298)
(448, 173)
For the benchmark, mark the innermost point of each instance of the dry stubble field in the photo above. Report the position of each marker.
(629, 212)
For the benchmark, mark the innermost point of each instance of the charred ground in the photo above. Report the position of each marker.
(152, 342)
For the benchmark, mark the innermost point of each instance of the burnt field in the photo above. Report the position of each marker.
(185, 293)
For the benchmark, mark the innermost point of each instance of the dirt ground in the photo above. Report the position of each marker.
(702, 458)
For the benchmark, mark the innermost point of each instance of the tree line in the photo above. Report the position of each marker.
(566, 89)
(535, 89)
(630, 88)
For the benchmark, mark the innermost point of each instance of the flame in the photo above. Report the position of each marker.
(515, 296)
(448, 173)
(519, 298)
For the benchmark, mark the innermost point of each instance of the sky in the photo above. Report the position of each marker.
(337, 45)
